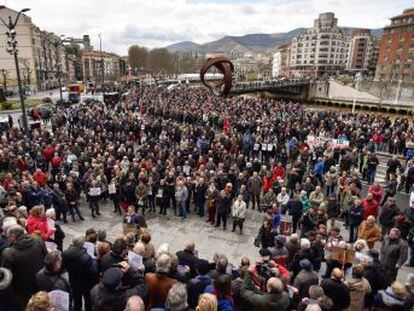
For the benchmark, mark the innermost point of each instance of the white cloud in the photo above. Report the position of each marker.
(162, 22)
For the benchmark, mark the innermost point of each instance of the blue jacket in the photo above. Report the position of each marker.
(318, 170)
(224, 303)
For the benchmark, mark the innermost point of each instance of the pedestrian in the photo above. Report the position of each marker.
(223, 209)
(238, 211)
(394, 253)
(83, 273)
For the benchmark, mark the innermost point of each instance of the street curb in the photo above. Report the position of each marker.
(9, 111)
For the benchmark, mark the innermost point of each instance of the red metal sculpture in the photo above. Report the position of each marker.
(223, 64)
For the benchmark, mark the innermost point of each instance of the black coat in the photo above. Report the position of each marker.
(82, 269)
(386, 218)
(338, 292)
(356, 215)
(104, 299)
(24, 259)
(186, 258)
(223, 205)
(109, 260)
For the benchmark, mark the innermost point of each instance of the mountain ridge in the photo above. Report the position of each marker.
(255, 43)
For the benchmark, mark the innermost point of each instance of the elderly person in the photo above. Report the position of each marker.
(37, 221)
(370, 231)
(58, 234)
(238, 211)
(177, 298)
(24, 259)
(51, 277)
(83, 272)
(159, 283)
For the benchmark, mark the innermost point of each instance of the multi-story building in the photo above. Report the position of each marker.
(113, 66)
(396, 53)
(281, 61)
(320, 50)
(37, 54)
(362, 52)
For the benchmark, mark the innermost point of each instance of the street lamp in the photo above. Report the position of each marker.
(102, 60)
(12, 49)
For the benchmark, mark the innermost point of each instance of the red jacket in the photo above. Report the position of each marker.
(370, 208)
(40, 178)
(279, 171)
(56, 161)
(48, 152)
(35, 223)
(376, 192)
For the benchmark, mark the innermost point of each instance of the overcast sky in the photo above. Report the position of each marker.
(157, 23)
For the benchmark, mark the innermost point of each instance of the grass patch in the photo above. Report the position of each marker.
(15, 104)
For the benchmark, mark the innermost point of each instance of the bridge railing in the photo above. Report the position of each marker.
(270, 84)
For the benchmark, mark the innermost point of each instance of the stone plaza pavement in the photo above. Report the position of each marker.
(175, 231)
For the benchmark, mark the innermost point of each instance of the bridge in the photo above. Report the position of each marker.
(294, 87)
(323, 92)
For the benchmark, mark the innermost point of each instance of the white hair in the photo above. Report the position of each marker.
(50, 213)
(163, 263)
(304, 244)
(164, 248)
(8, 222)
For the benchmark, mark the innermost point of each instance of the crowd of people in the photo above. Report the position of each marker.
(187, 151)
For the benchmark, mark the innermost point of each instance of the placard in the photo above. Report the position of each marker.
(111, 188)
(94, 192)
(343, 255)
(59, 300)
(90, 248)
(134, 260)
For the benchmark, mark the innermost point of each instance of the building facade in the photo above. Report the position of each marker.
(320, 50)
(114, 67)
(362, 52)
(396, 53)
(281, 61)
(38, 56)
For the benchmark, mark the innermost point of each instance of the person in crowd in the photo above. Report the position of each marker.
(135, 303)
(393, 298)
(149, 251)
(369, 231)
(359, 288)
(177, 298)
(223, 209)
(375, 275)
(116, 255)
(238, 211)
(335, 288)
(221, 288)
(24, 259)
(394, 253)
(305, 278)
(207, 302)
(274, 297)
(181, 196)
(188, 257)
(83, 273)
(197, 285)
(37, 221)
(159, 283)
(51, 277)
(355, 216)
(39, 302)
(387, 216)
(118, 284)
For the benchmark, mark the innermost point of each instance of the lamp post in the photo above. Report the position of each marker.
(102, 60)
(12, 49)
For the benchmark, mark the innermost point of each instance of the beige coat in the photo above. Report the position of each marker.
(358, 288)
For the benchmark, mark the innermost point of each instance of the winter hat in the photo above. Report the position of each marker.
(5, 278)
(112, 278)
